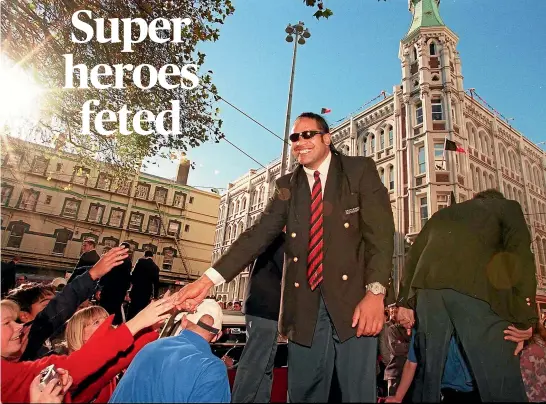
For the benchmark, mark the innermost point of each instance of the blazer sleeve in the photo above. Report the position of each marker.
(378, 225)
(57, 312)
(517, 242)
(253, 241)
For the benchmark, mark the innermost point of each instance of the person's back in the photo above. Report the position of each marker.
(179, 369)
(475, 248)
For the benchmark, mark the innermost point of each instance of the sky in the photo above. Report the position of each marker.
(349, 59)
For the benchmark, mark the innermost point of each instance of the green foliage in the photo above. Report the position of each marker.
(37, 33)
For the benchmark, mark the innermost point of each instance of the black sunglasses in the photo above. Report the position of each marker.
(308, 134)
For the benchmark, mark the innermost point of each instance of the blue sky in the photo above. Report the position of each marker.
(349, 60)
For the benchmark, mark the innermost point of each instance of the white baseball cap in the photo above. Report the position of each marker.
(208, 307)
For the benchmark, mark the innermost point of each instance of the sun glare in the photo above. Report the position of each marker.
(20, 96)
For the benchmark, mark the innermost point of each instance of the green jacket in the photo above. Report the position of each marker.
(481, 248)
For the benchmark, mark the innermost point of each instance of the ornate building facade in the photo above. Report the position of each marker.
(405, 133)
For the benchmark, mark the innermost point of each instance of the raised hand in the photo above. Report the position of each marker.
(53, 392)
(191, 295)
(111, 259)
(152, 314)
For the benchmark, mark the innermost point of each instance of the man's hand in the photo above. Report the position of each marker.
(190, 296)
(405, 317)
(369, 315)
(518, 336)
(111, 259)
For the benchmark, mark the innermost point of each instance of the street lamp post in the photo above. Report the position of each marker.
(297, 34)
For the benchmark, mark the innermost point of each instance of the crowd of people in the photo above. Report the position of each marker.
(463, 327)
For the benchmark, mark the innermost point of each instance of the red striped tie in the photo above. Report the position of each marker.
(314, 258)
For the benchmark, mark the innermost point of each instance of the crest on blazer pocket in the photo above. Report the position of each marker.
(352, 210)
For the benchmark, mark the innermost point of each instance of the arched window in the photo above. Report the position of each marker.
(237, 207)
(520, 198)
(471, 139)
(492, 181)
(382, 140)
(414, 54)
(365, 146)
(382, 175)
(432, 48)
(391, 135)
(485, 184)
(372, 144)
(391, 178)
(244, 204)
(472, 178)
(511, 161)
(479, 179)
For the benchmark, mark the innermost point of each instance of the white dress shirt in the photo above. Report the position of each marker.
(213, 274)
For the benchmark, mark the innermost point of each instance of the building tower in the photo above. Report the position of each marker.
(432, 91)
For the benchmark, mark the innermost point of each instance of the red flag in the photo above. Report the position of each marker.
(452, 146)
(325, 110)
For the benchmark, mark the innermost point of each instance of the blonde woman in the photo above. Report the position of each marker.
(105, 345)
(95, 321)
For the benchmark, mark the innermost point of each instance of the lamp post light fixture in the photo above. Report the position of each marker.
(298, 34)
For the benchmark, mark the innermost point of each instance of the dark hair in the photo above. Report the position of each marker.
(26, 296)
(323, 125)
(489, 194)
(148, 253)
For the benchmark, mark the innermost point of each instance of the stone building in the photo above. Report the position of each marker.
(405, 134)
(51, 204)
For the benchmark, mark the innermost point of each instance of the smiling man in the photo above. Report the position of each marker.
(338, 256)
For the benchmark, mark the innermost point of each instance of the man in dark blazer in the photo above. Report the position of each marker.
(145, 281)
(114, 286)
(471, 272)
(337, 266)
(254, 376)
(89, 258)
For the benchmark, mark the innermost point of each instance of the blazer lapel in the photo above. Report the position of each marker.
(331, 197)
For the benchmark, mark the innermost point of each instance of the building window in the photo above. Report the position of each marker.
(104, 181)
(95, 212)
(160, 195)
(437, 112)
(61, 240)
(81, 175)
(7, 190)
(421, 160)
(390, 135)
(372, 144)
(382, 139)
(116, 217)
(154, 224)
(442, 200)
(71, 208)
(419, 113)
(110, 242)
(191, 199)
(391, 178)
(142, 191)
(149, 247)
(18, 230)
(39, 165)
(124, 188)
(135, 221)
(432, 49)
(423, 210)
(13, 159)
(187, 228)
(29, 199)
(179, 199)
(382, 175)
(48, 199)
(439, 160)
(168, 258)
(59, 167)
(174, 228)
(365, 147)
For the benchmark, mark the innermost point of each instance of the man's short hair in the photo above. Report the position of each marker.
(90, 241)
(148, 253)
(25, 296)
(489, 194)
